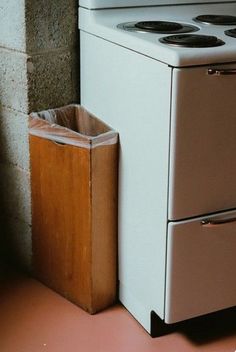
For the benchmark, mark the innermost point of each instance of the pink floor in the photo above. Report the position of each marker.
(35, 319)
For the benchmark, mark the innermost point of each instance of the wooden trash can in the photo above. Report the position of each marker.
(74, 167)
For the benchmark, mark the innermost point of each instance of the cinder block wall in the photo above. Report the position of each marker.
(38, 70)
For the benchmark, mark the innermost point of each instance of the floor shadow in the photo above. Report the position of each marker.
(200, 330)
(209, 328)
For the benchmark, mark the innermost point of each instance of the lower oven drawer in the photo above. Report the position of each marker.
(201, 266)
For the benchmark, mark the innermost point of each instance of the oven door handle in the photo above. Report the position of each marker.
(221, 72)
(215, 222)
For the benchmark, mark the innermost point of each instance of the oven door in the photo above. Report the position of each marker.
(203, 141)
(201, 266)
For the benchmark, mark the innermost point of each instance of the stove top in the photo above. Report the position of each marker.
(174, 34)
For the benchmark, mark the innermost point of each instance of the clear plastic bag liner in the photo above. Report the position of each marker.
(72, 125)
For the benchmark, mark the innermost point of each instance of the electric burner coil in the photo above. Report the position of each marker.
(158, 27)
(231, 32)
(223, 20)
(192, 41)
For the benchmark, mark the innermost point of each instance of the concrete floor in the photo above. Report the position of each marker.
(35, 319)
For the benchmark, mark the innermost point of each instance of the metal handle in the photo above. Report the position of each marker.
(214, 222)
(221, 72)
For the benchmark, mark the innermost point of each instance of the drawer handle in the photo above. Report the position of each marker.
(221, 72)
(207, 222)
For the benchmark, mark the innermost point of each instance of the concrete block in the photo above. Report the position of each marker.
(13, 80)
(15, 192)
(17, 241)
(14, 138)
(75, 74)
(12, 24)
(51, 24)
(51, 80)
(34, 25)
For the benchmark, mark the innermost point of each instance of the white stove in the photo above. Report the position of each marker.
(173, 105)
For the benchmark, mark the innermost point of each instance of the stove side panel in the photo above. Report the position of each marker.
(131, 93)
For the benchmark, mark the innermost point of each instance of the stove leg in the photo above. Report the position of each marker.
(159, 328)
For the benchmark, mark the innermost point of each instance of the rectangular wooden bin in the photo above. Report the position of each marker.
(74, 163)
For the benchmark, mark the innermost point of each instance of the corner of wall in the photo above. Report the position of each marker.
(38, 70)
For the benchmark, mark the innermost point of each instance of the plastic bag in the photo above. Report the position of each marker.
(72, 125)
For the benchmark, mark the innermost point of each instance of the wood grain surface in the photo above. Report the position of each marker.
(74, 220)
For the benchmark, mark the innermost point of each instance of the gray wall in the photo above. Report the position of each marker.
(38, 70)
